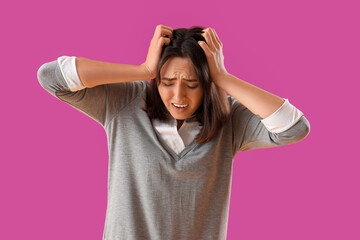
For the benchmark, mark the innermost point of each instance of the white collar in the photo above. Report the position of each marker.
(177, 140)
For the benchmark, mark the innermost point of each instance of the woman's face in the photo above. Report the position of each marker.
(179, 85)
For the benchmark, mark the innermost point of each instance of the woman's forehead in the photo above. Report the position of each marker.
(178, 66)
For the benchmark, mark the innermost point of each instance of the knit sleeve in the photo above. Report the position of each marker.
(100, 103)
(285, 126)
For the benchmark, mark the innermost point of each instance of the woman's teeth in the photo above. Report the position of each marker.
(180, 106)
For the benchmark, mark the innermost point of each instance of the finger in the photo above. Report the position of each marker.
(205, 47)
(213, 38)
(168, 33)
(167, 27)
(164, 30)
(216, 38)
(164, 40)
(208, 39)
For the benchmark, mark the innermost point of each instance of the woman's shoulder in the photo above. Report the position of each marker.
(237, 108)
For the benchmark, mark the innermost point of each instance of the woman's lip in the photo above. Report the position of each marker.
(185, 106)
(179, 110)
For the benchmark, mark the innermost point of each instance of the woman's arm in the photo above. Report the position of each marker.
(257, 100)
(277, 122)
(93, 73)
(101, 103)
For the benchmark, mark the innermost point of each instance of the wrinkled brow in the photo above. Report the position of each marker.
(171, 79)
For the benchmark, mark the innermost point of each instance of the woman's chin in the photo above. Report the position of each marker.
(180, 113)
(178, 116)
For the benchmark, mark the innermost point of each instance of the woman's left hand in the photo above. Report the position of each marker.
(214, 54)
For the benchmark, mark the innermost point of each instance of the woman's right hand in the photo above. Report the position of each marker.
(154, 52)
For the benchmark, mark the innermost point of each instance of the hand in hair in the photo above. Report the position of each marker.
(154, 52)
(214, 54)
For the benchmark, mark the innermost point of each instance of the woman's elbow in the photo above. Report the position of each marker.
(47, 77)
(295, 134)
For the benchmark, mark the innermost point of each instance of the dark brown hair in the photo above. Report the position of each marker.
(214, 111)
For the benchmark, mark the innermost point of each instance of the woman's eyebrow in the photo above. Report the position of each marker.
(171, 79)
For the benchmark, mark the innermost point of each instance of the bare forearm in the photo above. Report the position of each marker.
(93, 73)
(257, 100)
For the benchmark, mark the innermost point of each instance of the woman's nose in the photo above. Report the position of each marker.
(179, 92)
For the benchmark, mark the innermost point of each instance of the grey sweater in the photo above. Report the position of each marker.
(154, 193)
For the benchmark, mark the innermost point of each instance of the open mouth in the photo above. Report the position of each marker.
(179, 108)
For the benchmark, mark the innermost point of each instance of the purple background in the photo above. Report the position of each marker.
(54, 159)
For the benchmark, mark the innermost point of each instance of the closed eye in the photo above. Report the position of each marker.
(167, 85)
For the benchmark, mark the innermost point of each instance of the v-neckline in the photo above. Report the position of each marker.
(167, 149)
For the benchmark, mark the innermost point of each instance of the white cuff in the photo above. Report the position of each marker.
(68, 69)
(283, 118)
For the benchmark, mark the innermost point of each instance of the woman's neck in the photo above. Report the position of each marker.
(179, 124)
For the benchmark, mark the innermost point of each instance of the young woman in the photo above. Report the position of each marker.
(172, 141)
